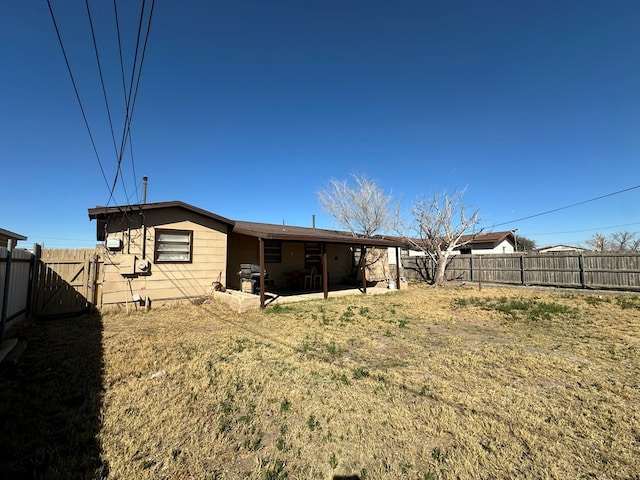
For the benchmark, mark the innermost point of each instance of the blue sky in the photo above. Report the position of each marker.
(248, 108)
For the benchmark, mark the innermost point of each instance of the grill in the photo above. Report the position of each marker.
(250, 277)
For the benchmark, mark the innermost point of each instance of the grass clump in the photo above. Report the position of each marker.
(519, 308)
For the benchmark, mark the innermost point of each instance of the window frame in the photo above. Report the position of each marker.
(272, 251)
(312, 254)
(158, 242)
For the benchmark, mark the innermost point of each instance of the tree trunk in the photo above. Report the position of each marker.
(440, 270)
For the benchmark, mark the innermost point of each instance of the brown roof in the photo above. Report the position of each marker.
(255, 229)
(292, 233)
(101, 212)
(12, 235)
(491, 237)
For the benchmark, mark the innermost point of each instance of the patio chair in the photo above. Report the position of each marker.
(313, 279)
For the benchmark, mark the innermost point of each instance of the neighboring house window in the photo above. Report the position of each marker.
(312, 254)
(173, 246)
(272, 251)
(465, 250)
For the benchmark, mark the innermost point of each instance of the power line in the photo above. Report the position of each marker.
(75, 89)
(104, 90)
(131, 104)
(567, 206)
(124, 90)
(583, 230)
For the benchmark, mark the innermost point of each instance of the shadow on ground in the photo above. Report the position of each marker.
(50, 402)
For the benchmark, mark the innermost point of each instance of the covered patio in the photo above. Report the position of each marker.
(299, 261)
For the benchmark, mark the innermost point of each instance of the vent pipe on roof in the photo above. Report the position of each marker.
(313, 221)
(145, 180)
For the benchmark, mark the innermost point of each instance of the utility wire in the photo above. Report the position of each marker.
(75, 89)
(135, 96)
(595, 229)
(130, 103)
(124, 90)
(123, 139)
(104, 90)
(567, 206)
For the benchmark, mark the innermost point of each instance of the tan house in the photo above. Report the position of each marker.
(172, 250)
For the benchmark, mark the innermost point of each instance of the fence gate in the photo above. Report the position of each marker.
(65, 282)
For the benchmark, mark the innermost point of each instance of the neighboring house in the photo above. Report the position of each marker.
(559, 248)
(6, 235)
(485, 243)
(172, 250)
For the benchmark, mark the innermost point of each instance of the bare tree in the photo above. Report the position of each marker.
(616, 242)
(363, 208)
(437, 229)
(623, 241)
(598, 242)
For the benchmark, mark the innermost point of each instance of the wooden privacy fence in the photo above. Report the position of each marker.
(45, 283)
(606, 270)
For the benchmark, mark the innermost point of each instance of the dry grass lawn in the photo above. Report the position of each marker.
(418, 384)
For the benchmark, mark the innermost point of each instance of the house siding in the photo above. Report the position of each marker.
(489, 248)
(164, 281)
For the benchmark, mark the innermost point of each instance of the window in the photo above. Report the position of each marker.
(173, 246)
(272, 251)
(312, 254)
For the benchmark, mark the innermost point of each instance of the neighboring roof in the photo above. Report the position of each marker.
(559, 248)
(259, 230)
(285, 232)
(492, 237)
(9, 234)
(102, 212)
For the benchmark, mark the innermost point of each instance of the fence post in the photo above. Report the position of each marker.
(522, 268)
(581, 266)
(30, 287)
(471, 268)
(93, 269)
(35, 289)
(5, 290)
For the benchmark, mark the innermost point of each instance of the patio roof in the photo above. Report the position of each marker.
(270, 231)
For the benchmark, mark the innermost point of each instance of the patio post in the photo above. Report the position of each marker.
(261, 253)
(398, 268)
(363, 262)
(325, 273)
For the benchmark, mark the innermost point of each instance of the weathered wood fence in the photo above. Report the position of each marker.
(45, 283)
(595, 270)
